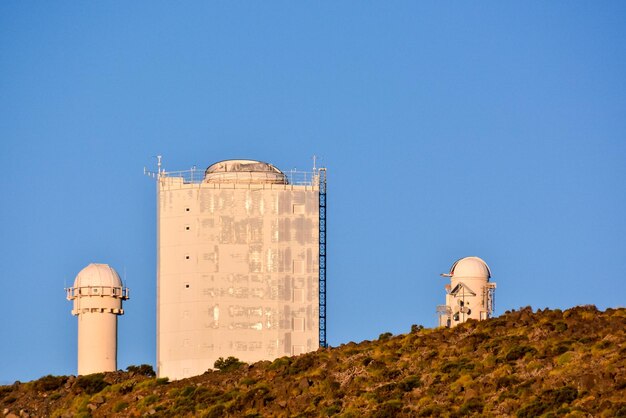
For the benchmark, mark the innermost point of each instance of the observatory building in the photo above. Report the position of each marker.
(470, 294)
(240, 265)
(97, 294)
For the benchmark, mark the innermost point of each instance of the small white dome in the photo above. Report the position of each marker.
(98, 275)
(244, 171)
(470, 267)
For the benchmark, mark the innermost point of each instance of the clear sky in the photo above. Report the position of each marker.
(495, 129)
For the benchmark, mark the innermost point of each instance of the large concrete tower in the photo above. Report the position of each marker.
(97, 294)
(239, 265)
(470, 294)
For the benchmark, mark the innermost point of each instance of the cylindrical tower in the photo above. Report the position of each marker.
(469, 295)
(97, 294)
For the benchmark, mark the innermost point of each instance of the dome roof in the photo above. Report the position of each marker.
(244, 171)
(98, 275)
(470, 267)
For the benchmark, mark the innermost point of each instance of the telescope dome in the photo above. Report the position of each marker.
(470, 267)
(97, 275)
(244, 171)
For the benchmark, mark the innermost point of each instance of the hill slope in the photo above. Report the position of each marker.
(521, 364)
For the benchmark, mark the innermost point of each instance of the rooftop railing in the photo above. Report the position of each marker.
(196, 176)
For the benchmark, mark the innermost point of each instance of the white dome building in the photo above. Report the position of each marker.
(244, 171)
(470, 294)
(97, 294)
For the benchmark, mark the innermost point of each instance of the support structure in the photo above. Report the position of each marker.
(322, 255)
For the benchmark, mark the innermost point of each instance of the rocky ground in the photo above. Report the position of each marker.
(526, 364)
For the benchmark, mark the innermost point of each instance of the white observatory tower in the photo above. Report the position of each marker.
(97, 294)
(241, 265)
(470, 294)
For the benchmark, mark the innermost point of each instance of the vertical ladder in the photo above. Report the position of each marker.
(322, 255)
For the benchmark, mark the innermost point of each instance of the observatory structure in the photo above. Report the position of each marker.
(97, 294)
(241, 265)
(470, 294)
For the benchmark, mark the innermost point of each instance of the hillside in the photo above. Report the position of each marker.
(522, 364)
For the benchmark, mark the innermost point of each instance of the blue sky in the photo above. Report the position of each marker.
(495, 129)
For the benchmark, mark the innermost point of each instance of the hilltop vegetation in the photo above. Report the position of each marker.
(548, 363)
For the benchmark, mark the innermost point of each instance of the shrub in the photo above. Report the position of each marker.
(559, 396)
(472, 405)
(230, 363)
(506, 381)
(5, 390)
(385, 336)
(91, 383)
(149, 400)
(279, 363)
(216, 411)
(126, 387)
(389, 409)
(457, 365)
(518, 352)
(162, 380)
(143, 370)
(120, 406)
(332, 410)
(532, 410)
(564, 358)
(416, 328)
(48, 383)
(301, 364)
(560, 326)
(410, 383)
(550, 399)
(248, 381)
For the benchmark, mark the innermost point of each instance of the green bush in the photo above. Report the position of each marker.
(149, 400)
(216, 411)
(332, 410)
(143, 370)
(385, 336)
(416, 328)
(560, 326)
(126, 387)
(279, 363)
(389, 409)
(550, 399)
(228, 364)
(248, 381)
(559, 396)
(91, 383)
(410, 383)
(506, 381)
(457, 366)
(301, 364)
(471, 406)
(49, 382)
(162, 380)
(518, 352)
(532, 410)
(5, 390)
(120, 406)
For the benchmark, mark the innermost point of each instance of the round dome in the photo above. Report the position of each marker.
(98, 275)
(470, 267)
(244, 171)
